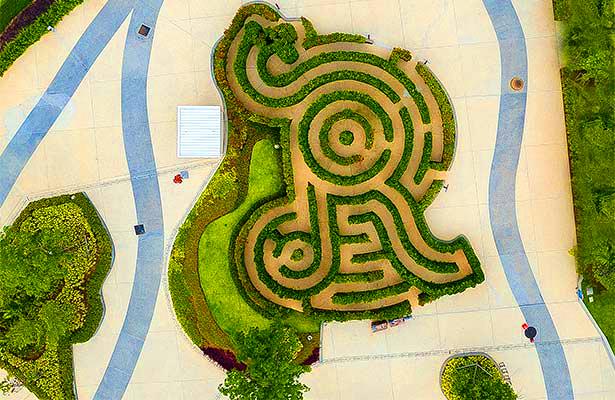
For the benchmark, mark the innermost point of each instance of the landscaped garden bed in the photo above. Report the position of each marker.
(29, 21)
(588, 84)
(53, 261)
(335, 149)
(474, 376)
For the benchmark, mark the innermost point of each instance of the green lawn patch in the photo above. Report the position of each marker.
(228, 307)
(602, 309)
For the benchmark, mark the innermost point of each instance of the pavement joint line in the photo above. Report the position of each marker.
(116, 180)
(441, 352)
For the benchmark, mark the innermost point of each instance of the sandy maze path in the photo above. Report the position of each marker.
(356, 209)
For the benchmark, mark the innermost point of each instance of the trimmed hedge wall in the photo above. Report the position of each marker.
(368, 296)
(9, 9)
(447, 114)
(313, 39)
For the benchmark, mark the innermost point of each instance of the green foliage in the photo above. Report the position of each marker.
(367, 277)
(346, 138)
(447, 114)
(33, 32)
(297, 255)
(425, 159)
(390, 312)
(225, 302)
(271, 372)
(40, 325)
(368, 296)
(312, 38)
(588, 82)
(560, 9)
(9, 10)
(304, 127)
(208, 220)
(474, 377)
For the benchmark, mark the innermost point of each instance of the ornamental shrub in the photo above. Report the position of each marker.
(474, 377)
(33, 32)
(42, 317)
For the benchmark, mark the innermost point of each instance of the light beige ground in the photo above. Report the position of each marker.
(453, 35)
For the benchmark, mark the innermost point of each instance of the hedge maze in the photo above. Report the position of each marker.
(366, 136)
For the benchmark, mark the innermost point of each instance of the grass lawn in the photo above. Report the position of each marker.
(602, 310)
(9, 9)
(229, 309)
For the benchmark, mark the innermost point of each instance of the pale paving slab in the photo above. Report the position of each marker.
(166, 361)
(552, 227)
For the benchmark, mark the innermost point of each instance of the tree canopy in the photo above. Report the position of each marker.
(588, 80)
(271, 373)
(474, 377)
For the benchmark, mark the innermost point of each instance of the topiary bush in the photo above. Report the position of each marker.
(473, 377)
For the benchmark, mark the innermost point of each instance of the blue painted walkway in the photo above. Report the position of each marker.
(502, 208)
(142, 167)
(140, 158)
(27, 138)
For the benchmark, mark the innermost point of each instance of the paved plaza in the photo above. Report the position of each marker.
(471, 46)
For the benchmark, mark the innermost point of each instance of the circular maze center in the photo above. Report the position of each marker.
(346, 138)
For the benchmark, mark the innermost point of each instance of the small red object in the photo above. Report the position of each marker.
(525, 326)
(178, 179)
(532, 340)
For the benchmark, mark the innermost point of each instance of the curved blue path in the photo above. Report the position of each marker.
(81, 58)
(139, 155)
(502, 208)
(144, 179)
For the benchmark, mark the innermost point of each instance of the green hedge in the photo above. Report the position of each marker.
(346, 137)
(316, 107)
(9, 10)
(446, 112)
(33, 32)
(367, 277)
(244, 129)
(368, 296)
(313, 39)
(425, 159)
(561, 10)
(390, 312)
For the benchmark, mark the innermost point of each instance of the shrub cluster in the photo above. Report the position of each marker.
(368, 296)
(588, 82)
(313, 39)
(474, 377)
(446, 112)
(41, 330)
(33, 32)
